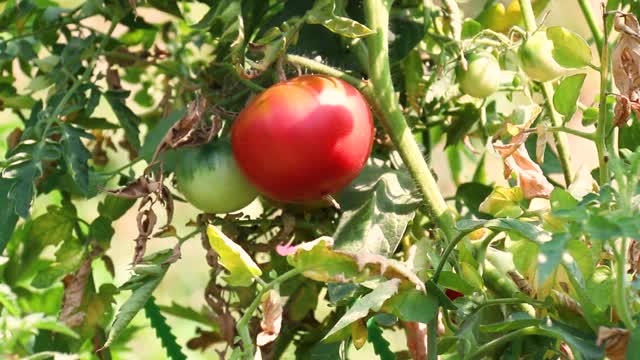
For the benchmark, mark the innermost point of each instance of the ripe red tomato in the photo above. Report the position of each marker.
(452, 294)
(304, 138)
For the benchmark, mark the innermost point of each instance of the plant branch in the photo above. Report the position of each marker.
(601, 130)
(562, 144)
(583, 134)
(585, 6)
(620, 298)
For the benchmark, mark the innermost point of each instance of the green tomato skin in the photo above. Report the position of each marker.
(209, 178)
(536, 59)
(482, 77)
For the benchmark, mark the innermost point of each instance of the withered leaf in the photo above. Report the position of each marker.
(271, 318)
(615, 341)
(634, 257)
(141, 187)
(74, 289)
(146, 221)
(203, 340)
(191, 130)
(625, 61)
(529, 174)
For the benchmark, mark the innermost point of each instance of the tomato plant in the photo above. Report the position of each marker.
(304, 138)
(209, 178)
(422, 192)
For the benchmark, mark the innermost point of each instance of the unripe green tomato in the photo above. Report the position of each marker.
(536, 59)
(209, 178)
(482, 76)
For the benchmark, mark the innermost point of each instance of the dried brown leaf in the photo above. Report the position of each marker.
(191, 130)
(74, 288)
(625, 61)
(141, 187)
(271, 318)
(203, 340)
(146, 220)
(113, 79)
(615, 341)
(13, 139)
(634, 257)
(529, 174)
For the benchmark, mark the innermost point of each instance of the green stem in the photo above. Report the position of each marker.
(494, 345)
(445, 255)
(392, 118)
(327, 70)
(243, 324)
(562, 144)
(601, 130)
(432, 339)
(585, 6)
(583, 134)
(620, 298)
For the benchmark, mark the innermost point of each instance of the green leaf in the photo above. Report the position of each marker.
(127, 119)
(163, 330)
(503, 202)
(8, 216)
(168, 6)
(567, 94)
(570, 50)
(186, 312)
(525, 229)
(54, 226)
(472, 195)
(413, 305)
(380, 345)
(9, 300)
(77, 155)
(323, 14)
(601, 228)
(143, 283)
(371, 301)
(377, 207)
(561, 199)
(69, 257)
(39, 321)
(463, 121)
(470, 28)
(550, 255)
(113, 207)
(451, 280)
(241, 267)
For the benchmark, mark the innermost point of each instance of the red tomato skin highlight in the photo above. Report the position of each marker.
(304, 138)
(452, 294)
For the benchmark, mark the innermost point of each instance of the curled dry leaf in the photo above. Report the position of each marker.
(529, 174)
(634, 257)
(141, 187)
(146, 220)
(615, 341)
(203, 339)
(625, 61)
(191, 130)
(13, 139)
(271, 318)
(74, 286)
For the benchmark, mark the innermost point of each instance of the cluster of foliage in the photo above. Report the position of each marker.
(481, 275)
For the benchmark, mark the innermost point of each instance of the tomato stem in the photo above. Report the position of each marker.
(562, 144)
(386, 106)
(585, 6)
(601, 129)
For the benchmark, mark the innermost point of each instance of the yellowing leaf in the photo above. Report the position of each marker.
(503, 202)
(242, 269)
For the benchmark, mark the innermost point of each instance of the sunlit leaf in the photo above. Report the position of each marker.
(241, 267)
